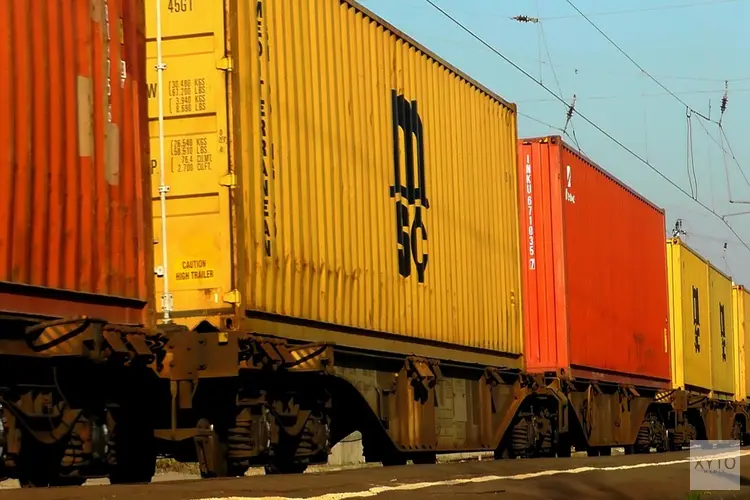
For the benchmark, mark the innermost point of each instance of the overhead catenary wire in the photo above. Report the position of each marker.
(587, 120)
(724, 99)
(592, 23)
(559, 89)
(537, 120)
(648, 9)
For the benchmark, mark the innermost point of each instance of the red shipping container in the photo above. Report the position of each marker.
(75, 207)
(595, 293)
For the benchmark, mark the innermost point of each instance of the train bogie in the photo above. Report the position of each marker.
(76, 355)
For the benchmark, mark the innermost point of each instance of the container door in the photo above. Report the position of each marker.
(196, 157)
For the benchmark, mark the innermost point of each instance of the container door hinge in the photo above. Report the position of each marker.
(229, 180)
(224, 64)
(232, 297)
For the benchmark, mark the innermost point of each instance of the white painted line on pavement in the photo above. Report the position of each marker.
(376, 490)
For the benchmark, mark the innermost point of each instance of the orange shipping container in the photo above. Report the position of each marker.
(595, 272)
(75, 235)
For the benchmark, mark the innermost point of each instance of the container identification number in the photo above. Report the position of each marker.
(194, 270)
(530, 209)
(180, 6)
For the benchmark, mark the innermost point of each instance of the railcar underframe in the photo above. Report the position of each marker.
(75, 401)
(83, 398)
(284, 405)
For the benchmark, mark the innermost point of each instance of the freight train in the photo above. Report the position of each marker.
(238, 231)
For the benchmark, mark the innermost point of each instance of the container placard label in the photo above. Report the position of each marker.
(196, 269)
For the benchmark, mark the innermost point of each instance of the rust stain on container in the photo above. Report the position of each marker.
(369, 184)
(74, 166)
(596, 301)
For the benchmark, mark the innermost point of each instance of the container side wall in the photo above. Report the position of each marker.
(380, 185)
(545, 322)
(616, 280)
(723, 339)
(199, 262)
(744, 335)
(740, 303)
(74, 165)
(674, 277)
(691, 293)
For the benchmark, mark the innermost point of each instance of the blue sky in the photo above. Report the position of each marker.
(689, 46)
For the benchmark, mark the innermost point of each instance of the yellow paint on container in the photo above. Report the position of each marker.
(741, 307)
(702, 329)
(723, 337)
(374, 186)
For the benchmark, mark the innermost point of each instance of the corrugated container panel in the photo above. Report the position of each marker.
(595, 294)
(74, 165)
(723, 338)
(702, 333)
(740, 308)
(376, 189)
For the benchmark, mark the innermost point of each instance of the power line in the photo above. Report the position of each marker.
(645, 9)
(635, 63)
(626, 96)
(538, 121)
(690, 109)
(586, 119)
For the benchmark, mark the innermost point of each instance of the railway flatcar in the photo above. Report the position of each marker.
(595, 301)
(342, 242)
(705, 360)
(76, 344)
(345, 234)
(296, 136)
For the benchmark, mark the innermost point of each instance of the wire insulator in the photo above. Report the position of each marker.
(725, 98)
(525, 19)
(571, 108)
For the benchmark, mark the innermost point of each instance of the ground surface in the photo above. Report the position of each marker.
(655, 476)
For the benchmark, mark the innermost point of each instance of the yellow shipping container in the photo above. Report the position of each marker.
(703, 333)
(332, 170)
(741, 307)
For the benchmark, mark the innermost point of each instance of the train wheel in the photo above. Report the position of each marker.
(132, 448)
(40, 465)
(213, 452)
(563, 446)
(738, 431)
(284, 467)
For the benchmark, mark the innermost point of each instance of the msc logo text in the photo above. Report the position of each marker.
(409, 190)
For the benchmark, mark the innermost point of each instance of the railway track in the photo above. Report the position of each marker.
(657, 476)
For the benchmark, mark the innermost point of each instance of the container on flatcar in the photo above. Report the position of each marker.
(703, 333)
(595, 292)
(74, 171)
(334, 171)
(740, 309)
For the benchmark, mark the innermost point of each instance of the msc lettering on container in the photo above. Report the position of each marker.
(408, 190)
